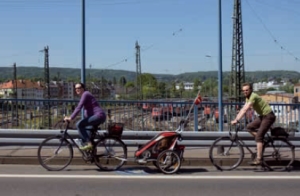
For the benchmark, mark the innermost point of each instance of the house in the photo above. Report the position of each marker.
(186, 85)
(278, 97)
(297, 90)
(24, 89)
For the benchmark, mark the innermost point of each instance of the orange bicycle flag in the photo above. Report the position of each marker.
(198, 100)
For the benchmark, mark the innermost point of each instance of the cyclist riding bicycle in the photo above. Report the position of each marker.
(94, 115)
(261, 124)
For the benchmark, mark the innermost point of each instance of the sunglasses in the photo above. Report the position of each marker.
(78, 87)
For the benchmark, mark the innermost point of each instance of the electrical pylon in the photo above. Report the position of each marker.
(237, 67)
(139, 94)
(47, 112)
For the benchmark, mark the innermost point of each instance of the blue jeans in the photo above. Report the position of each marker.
(89, 121)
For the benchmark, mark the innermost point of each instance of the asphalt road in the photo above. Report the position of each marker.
(146, 187)
(16, 180)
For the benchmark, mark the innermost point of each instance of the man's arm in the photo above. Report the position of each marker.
(242, 112)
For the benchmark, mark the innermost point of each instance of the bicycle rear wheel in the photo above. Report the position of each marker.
(168, 162)
(226, 154)
(278, 154)
(110, 153)
(55, 153)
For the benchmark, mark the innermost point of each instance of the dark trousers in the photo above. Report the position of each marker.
(89, 121)
(261, 124)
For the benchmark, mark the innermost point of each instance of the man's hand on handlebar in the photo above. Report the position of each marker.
(234, 122)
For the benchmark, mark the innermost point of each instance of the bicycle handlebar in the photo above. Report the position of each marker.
(238, 127)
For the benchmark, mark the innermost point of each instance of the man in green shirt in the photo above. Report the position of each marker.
(259, 127)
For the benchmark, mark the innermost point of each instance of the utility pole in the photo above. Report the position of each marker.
(90, 77)
(47, 112)
(102, 87)
(139, 92)
(83, 44)
(220, 72)
(15, 94)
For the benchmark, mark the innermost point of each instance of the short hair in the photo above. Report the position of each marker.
(248, 84)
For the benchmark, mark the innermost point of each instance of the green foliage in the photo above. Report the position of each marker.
(122, 81)
(71, 74)
(197, 84)
(129, 84)
(287, 88)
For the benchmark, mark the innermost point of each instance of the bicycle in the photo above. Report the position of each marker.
(108, 153)
(278, 152)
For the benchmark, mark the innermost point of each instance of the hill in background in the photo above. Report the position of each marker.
(6, 73)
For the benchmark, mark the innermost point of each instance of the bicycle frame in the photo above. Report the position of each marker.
(65, 135)
(267, 139)
(237, 139)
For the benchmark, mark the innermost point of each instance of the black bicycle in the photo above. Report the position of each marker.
(109, 152)
(227, 152)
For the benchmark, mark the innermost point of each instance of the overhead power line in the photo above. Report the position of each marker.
(271, 34)
(123, 60)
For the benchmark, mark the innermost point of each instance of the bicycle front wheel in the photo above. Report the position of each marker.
(110, 153)
(55, 153)
(278, 154)
(226, 154)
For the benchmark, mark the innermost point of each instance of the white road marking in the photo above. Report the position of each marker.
(174, 177)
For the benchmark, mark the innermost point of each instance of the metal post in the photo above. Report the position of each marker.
(83, 48)
(196, 118)
(220, 91)
(298, 117)
(83, 43)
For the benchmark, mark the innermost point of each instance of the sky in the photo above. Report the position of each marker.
(175, 36)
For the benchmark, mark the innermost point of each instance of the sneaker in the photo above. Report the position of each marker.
(86, 147)
(256, 162)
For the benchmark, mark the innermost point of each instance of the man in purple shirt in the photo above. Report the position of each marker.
(93, 113)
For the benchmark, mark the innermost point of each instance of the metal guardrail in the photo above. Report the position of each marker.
(16, 137)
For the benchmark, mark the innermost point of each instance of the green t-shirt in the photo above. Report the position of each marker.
(260, 106)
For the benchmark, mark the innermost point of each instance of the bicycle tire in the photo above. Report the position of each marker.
(105, 156)
(218, 148)
(275, 160)
(167, 159)
(59, 143)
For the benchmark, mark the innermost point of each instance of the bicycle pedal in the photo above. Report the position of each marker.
(87, 158)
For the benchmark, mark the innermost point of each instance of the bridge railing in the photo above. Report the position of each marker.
(16, 137)
(158, 115)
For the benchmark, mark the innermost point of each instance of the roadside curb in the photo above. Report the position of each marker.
(79, 161)
(32, 160)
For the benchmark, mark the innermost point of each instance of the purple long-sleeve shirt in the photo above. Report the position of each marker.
(90, 105)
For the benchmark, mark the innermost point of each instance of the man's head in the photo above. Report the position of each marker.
(247, 89)
(79, 88)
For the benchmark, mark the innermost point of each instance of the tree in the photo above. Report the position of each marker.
(181, 88)
(147, 79)
(287, 88)
(149, 85)
(162, 89)
(129, 85)
(173, 90)
(114, 80)
(209, 87)
(196, 85)
(122, 81)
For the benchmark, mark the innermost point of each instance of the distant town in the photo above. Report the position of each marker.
(63, 90)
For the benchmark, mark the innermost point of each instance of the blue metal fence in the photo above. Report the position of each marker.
(136, 115)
